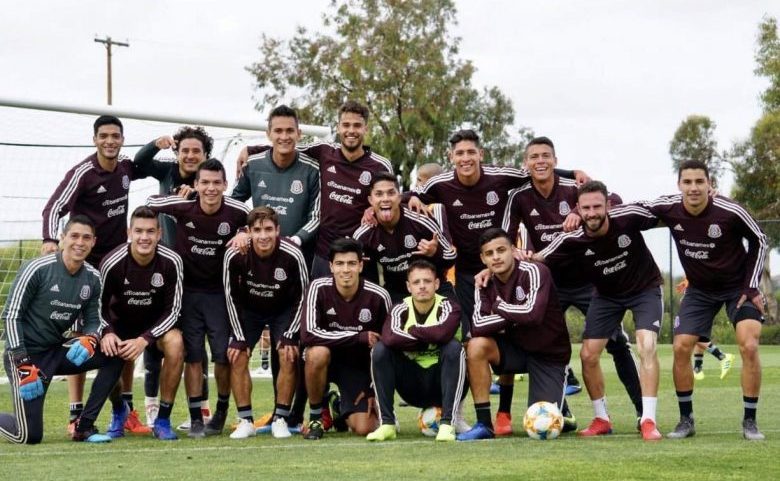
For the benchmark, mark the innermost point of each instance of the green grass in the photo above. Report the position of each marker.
(716, 452)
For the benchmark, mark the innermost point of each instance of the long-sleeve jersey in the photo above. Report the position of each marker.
(330, 320)
(526, 310)
(141, 300)
(100, 195)
(201, 237)
(710, 244)
(395, 250)
(293, 192)
(265, 285)
(618, 263)
(44, 302)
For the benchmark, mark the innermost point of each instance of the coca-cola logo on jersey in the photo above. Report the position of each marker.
(342, 198)
(204, 251)
(483, 224)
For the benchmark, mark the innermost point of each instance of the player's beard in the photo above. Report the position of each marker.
(598, 222)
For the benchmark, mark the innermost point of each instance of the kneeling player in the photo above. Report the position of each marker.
(343, 316)
(517, 327)
(418, 354)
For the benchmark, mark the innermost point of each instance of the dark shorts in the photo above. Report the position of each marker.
(204, 315)
(579, 298)
(698, 309)
(547, 380)
(254, 322)
(605, 314)
(350, 370)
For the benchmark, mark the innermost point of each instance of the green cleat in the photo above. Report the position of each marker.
(725, 365)
(698, 373)
(446, 433)
(385, 432)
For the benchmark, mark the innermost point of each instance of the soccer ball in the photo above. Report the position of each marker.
(543, 420)
(428, 421)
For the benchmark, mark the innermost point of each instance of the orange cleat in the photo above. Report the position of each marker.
(649, 430)
(598, 427)
(134, 425)
(503, 424)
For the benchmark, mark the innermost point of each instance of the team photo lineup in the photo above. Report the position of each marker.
(368, 293)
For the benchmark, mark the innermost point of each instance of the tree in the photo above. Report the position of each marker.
(768, 60)
(694, 139)
(400, 59)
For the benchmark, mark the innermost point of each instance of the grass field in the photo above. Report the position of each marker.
(716, 452)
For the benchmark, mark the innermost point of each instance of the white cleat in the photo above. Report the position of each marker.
(279, 429)
(460, 424)
(245, 429)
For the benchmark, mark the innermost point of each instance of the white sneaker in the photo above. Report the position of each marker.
(460, 424)
(279, 429)
(245, 429)
(152, 409)
(185, 426)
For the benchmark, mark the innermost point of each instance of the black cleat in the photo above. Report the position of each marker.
(314, 431)
(750, 430)
(197, 429)
(684, 429)
(216, 424)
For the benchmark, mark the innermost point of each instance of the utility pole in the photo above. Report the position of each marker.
(109, 43)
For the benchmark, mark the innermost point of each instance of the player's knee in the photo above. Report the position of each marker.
(380, 352)
(748, 348)
(682, 349)
(451, 351)
(317, 356)
(588, 356)
(477, 348)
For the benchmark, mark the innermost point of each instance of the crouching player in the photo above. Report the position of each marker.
(419, 355)
(47, 296)
(141, 301)
(517, 327)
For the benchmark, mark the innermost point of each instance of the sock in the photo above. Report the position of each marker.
(649, 405)
(600, 408)
(128, 398)
(165, 410)
(75, 410)
(117, 403)
(245, 412)
(150, 401)
(751, 404)
(223, 401)
(685, 401)
(483, 414)
(715, 351)
(505, 394)
(698, 361)
(315, 411)
(282, 411)
(194, 408)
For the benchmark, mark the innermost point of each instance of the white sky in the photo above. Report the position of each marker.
(609, 81)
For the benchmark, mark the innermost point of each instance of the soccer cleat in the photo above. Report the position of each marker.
(446, 433)
(327, 419)
(90, 436)
(650, 431)
(333, 401)
(152, 410)
(279, 429)
(725, 365)
(750, 430)
(296, 429)
(134, 425)
(503, 424)
(684, 429)
(163, 431)
(197, 429)
(698, 373)
(384, 432)
(569, 423)
(495, 388)
(314, 431)
(185, 426)
(216, 424)
(598, 427)
(478, 432)
(572, 389)
(117, 427)
(245, 429)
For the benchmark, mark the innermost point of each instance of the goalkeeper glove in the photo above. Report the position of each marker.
(80, 349)
(30, 380)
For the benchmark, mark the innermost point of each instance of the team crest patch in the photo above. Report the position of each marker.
(519, 293)
(714, 231)
(364, 316)
(624, 241)
(223, 229)
(280, 275)
(85, 291)
(365, 178)
(296, 187)
(563, 208)
(157, 280)
(125, 182)
(410, 242)
(491, 198)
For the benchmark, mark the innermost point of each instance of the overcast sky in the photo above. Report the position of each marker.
(608, 81)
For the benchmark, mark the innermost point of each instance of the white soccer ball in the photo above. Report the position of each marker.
(428, 421)
(543, 421)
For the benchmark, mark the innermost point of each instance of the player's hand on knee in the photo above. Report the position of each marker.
(30, 380)
(288, 352)
(81, 349)
(109, 345)
(235, 349)
(130, 349)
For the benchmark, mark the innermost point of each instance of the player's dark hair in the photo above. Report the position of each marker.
(493, 233)
(212, 165)
(79, 219)
(197, 133)
(352, 107)
(421, 264)
(143, 212)
(541, 141)
(464, 134)
(693, 165)
(383, 177)
(259, 214)
(107, 120)
(593, 186)
(344, 245)
(282, 111)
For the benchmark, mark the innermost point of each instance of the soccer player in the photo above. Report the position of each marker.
(342, 318)
(706, 345)
(264, 287)
(204, 226)
(543, 206)
(98, 188)
(47, 296)
(518, 326)
(419, 355)
(710, 233)
(610, 250)
(141, 301)
(400, 236)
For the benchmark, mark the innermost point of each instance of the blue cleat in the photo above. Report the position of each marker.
(98, 438)
(495, 388)
(478, 432)
(117, 427)
(572, 389)
(163, 431)
(91, 435)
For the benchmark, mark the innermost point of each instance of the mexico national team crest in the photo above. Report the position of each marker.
(279, 274)
(491, 198)
(223, 229)
(714, 231)
(624, 241)
(364, 316)
(125, 182)
(410, 242)
(85, 291)
(365, 178)
(519, 293)
(157, 280)
(296, 187)
(563, 208)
